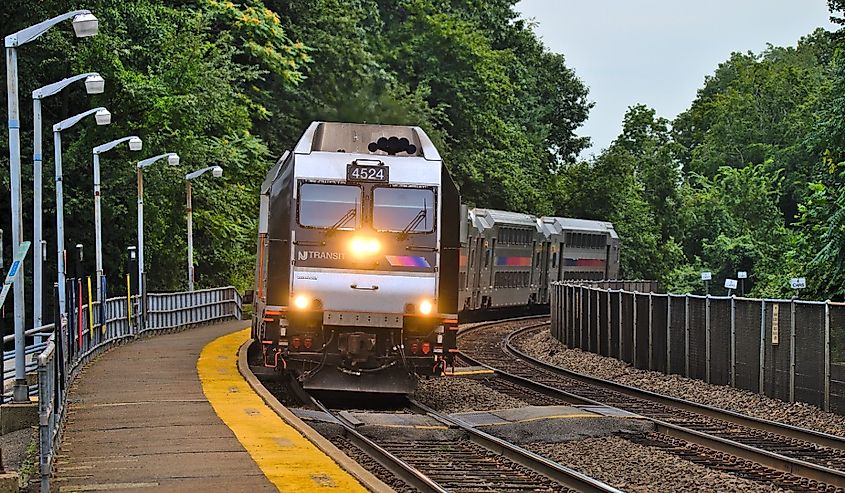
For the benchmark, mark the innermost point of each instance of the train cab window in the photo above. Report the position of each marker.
(409, 210)
(329, 206)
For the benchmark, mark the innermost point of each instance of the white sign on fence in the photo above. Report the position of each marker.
(706, 276)
(742, 275)
(798, 283)
(775, 324)
(730, 283)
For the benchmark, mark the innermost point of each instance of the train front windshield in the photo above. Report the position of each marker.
(330, 206)
(408, 210)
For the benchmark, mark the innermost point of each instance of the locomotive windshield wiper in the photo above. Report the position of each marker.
(351, 213)
(420, 217)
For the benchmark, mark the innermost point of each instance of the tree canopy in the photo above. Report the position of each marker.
(236, 83)
(749, 177)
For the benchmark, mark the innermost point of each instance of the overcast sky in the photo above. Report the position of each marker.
(657, 52)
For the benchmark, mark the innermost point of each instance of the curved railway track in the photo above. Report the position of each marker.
(477, 463)
(753, 448)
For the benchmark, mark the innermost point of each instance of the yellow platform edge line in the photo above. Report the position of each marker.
(470, 372)
(287, 459)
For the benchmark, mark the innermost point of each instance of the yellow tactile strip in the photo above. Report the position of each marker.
(288, 459)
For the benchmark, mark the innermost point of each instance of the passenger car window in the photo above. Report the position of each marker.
(329, 206)
(403, 209)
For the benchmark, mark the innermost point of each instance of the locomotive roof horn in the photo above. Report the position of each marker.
(392, 145)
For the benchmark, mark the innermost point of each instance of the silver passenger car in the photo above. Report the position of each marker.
(508, 259)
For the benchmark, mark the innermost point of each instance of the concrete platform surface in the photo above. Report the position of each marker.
(138, 420)
(288, 459)
(174, 413)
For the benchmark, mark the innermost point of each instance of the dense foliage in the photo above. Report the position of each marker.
(750, 177)
(235, 83)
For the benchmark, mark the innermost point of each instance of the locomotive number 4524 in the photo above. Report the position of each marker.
(357, 172)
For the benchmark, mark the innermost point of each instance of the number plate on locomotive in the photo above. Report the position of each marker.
(357, 172)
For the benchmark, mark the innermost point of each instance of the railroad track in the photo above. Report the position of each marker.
(753, 448)
(477, 463)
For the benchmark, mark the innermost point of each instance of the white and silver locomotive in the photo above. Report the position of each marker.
(357, 265)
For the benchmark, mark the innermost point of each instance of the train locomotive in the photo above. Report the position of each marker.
(366, 256)
(357, 264)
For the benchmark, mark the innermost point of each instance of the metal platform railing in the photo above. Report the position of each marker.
(85, 336)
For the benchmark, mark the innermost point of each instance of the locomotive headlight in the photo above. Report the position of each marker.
(425, 307)
(301, 301)
(364, 246)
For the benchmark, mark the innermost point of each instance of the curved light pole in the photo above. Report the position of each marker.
(135, 144)
(217, 172)
(94, 84)
(103, 117)
(84, 25)
(173, 160)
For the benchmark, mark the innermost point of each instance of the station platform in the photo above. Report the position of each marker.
(173, 413)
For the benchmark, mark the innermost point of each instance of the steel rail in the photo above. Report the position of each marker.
(761, 424)
(490, 323)
(389, 461)
(770, 459)
(552, 470)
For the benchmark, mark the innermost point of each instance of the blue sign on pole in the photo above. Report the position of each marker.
(14, 269)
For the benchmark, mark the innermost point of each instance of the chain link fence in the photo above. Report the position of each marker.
(787, 349)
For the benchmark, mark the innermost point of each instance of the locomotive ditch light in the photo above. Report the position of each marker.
(426, 307)
(301, 301)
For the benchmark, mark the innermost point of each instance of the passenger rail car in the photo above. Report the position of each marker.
(357, 265)
(508, 259)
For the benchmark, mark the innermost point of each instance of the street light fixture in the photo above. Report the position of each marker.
(135, 144)
(60, 201)
(102, 116)
(217, 172)
(173, 160)
(85, 24)
(94, 84)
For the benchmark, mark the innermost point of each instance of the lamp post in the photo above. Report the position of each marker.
(217, 172)
(84, 25)
(135, 144)
(173, 160)
(94, 84)
(103, 117)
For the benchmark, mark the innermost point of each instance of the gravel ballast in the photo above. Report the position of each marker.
(636, 468)
(543, 346)
(457, 395)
